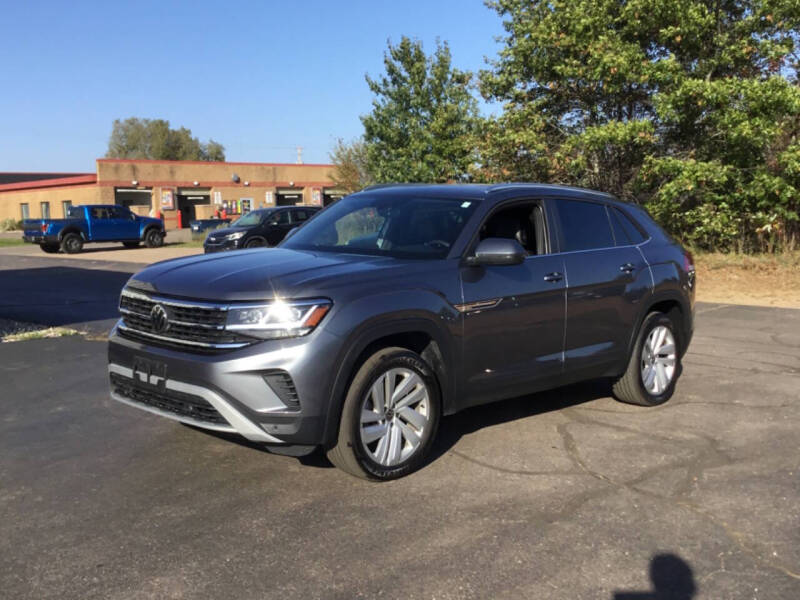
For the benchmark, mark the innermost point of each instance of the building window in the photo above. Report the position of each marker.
(45, 210)
(26, 211)
(65, 205)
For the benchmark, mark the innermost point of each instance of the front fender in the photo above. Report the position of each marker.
(377, 316)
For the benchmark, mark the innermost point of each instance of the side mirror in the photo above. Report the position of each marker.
(497, 251)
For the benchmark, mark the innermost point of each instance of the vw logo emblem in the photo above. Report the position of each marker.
(159, 318)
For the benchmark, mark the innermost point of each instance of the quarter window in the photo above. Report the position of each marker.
(623, 223)
(300, 215)
(584, 226)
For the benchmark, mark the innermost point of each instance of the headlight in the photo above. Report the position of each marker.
(278, 319)
(235, 236)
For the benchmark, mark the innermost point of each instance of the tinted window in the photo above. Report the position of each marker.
(119, 212)
(99, 212)
(623, 223)
(300, 215)
(584, 225)
(281, 217)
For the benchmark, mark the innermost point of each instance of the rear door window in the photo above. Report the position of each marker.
(281, 217)
(298, 216)
(584, 225)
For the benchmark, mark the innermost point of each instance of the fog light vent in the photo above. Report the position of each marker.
(283, 386)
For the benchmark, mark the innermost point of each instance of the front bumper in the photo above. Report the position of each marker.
(211, 247)
(189, 387)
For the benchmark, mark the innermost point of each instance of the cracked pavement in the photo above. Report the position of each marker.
(565, 494)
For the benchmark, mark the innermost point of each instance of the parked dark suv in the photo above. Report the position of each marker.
(258, 228)
(399, 305)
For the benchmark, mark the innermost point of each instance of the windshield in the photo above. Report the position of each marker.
(400, 226)
(250, 219)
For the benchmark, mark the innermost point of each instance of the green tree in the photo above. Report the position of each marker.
(424, 117)
(154, 139)
(350, 169)
(688, 106)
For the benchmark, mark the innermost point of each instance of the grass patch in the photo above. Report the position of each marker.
(746, 262)
(10, 242)
(761, 279)
(192, 244)
(50, 332)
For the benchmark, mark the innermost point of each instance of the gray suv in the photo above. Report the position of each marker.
(399, 305)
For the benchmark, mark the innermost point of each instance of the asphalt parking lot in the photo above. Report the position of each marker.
(566, 494)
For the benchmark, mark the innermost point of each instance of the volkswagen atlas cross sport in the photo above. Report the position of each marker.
(399, 305)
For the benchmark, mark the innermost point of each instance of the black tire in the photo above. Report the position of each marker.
(256, 242)
(131, 244)
(50, 248)
(153, 238)
(72, 243)
(349, 454)
(630, 388)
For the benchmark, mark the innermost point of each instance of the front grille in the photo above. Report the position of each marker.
(179, 403)
(196, 327)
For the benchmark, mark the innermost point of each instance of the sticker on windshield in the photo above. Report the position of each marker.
(465, 204)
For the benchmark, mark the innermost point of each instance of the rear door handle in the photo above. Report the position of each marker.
(627, 268)
(553, 277)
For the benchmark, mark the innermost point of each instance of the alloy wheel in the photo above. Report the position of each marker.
(658, 360)
(395, 414)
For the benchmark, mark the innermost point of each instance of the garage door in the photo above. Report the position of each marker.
(289, 197)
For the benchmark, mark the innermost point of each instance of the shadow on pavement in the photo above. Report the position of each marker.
(454, 427)
(56, 296)
(672, 579)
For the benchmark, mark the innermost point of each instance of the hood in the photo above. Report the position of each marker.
(263, 274)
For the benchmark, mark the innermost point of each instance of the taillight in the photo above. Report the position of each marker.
(688, 261)
(44, 227)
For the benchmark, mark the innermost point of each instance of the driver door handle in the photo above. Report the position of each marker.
(555, 276)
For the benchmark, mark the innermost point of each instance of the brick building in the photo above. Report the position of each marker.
(179, 191)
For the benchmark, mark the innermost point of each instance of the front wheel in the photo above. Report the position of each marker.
(654, 365)
(389, 418)
(256, 242)
(153, 238)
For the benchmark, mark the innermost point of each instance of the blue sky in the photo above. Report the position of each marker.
(259, 77)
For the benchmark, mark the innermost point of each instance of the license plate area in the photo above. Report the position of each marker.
(149, 373)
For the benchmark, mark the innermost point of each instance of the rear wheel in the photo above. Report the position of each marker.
(153, 238)
(389, 418)
(72, 243)
(131, 244)
(654, 365)
(50, 248)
